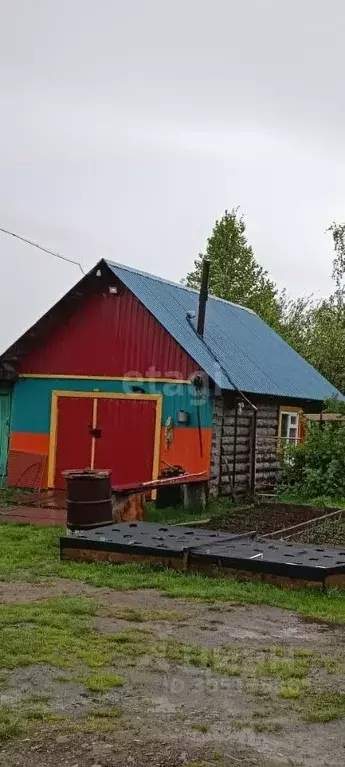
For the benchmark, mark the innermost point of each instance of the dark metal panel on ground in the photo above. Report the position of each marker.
(274, 556)
(145, 537)
(206, 550)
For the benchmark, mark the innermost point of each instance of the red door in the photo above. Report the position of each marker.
(73, 439)
(127, 438)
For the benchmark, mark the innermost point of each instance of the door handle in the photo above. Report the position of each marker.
(96, 433)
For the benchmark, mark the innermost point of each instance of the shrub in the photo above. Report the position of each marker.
(316, 467)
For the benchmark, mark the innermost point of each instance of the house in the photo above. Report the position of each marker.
(118, 375)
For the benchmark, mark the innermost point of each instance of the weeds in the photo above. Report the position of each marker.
(102, 720)
(303, 652)
(267, 725)
(135, 615)
(101, 682)
(12, 724)
(291, 691)
(9, 495)
(17, 721)
(59, 632)
(201, 727)
(195, 764)
(284, 669)
(34, 699)
(322, 706)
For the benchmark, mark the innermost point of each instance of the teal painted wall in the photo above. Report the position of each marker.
(32, 400)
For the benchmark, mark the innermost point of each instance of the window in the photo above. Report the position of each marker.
(289, 427)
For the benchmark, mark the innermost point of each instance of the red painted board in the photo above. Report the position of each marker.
(73, 443)
(126, 444)
(26, 469)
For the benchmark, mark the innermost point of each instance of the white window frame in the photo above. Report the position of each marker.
(285, 440)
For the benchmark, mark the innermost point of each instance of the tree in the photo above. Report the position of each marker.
(327, 342)
(314, 329)
(235, 274)
(338, 273)
(326, 347)
(296, 322)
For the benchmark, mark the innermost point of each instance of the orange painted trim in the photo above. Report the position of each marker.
(184, 450)
(29, 442)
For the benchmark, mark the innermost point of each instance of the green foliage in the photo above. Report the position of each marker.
(316, 467)
(296, 322)
(334, 405)
(325, 706)
(315, 329)
(202, 727)
(291, 691)
(174, 515)
(235, 274)
(102, 720)
(285, 669)
(101, 682)
(19, 720)
(327, 341)
(338, 273)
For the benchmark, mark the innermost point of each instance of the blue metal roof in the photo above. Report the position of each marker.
(239, 350)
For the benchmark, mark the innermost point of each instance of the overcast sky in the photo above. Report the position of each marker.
(127, 127)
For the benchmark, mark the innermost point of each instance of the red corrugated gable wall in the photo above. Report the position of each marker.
(109, 335)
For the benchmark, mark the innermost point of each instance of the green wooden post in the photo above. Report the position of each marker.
(5, 418)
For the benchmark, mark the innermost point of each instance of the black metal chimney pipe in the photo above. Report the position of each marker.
(203, 295)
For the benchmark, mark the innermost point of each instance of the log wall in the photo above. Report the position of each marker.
(267, 464)
(222, 452)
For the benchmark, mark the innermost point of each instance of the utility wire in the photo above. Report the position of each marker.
(41, 247)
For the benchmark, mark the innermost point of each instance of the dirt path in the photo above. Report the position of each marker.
(178, 710)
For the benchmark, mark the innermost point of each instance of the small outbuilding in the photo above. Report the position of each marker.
(136, 374)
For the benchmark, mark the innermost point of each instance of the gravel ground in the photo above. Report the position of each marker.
(176, 714)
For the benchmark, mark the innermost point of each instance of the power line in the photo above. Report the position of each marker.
(41, 247)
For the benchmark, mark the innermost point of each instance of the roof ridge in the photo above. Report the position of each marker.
(175, 284)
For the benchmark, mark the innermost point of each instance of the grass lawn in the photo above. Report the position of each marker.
(31, 553)
(93, 665)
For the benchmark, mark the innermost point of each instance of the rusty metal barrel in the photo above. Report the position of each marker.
(89, 501)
